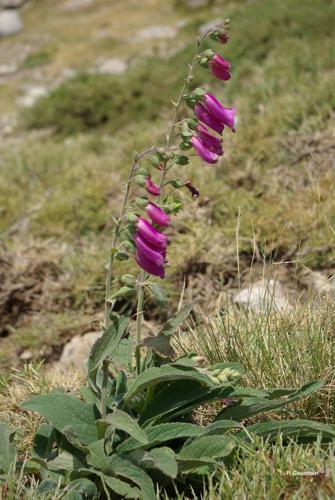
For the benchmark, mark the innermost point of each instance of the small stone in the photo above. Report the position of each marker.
(26, 355)
(32, 95)
(73, 5)
(211, 25)
(195, 3)
(10, 22)
(163, 31)
(111, 66)
(263, 296)
(8, 69)
(76, 352)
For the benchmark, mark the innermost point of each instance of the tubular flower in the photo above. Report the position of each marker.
(155, 239)
(143, 248)
(223, 38)
(207, 118)
(206, 154)
(157, 215)
(148, 265)
(151, 187)
(220, 67)
(192, 189)
(221, 114)
(210, 141)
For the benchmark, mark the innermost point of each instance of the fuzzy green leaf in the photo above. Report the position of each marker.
(162, 459)
(162, 433)
(7, 448)
(174, 323)
(297, 429)
(122, 488)
(124, 422)
(157, 293)
(126, 469)
(207, 447)
(43, 441)
(64, 411)
(83, 487)
(252, 406)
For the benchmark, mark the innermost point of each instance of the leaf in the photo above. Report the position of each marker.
(221, 427)
(252, 406)
(160, 344)
(105, 346)
(123, 354)
(165, 373)
(43, 441)
(98, 458)
(174, 323)
(84, 487)
(179, 397)
(122, 488)
(207, 447)
(65, 462)
(47, 486)
(124, 422)
(289, 428)
(126, 469)
(7, 448)
(162, 433)
(63, 411)
(157, 293)
(162, 459)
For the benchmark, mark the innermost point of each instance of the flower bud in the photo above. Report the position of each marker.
(128, 280)
(181, 160)
(192, 123)
(141, 201)
(185, 145)
(140, 180)
(132, 217)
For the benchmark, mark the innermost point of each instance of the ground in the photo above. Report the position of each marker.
(266, 210)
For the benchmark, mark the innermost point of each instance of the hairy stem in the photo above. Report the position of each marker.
(139, 317)
(116, 232)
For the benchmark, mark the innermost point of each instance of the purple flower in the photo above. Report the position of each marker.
(207, 118)
(157, 215)
(151, 235)
(223, 38)
(148, 265)
(220, 67)
(210, 141)
(154, 255)
(206, 154)
(151, 187)
(221, 114)
(192, 189)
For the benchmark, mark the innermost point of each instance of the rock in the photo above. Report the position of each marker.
(263, 296)
(8, 69)
(320, 283)
(112, 66)
(10, 22)
(32, 95)
(159, 31)
(215, 23)
(73, 5)
(76, 352)
(11, 4)
(26, 355)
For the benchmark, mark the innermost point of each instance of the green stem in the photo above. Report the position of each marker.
(105, 375)
(116, 232)
(139, 317)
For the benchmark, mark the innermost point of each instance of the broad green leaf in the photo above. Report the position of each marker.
(207, 447)
(174, 323)
(221, 427)
(47, 486)
(98, 458)
(160, 344)
(289, 428)
(7, 448)
(165, 373)
(124, 422)
(157, 293)
(162, 459)
(162, 433)
(43, 441)
(122, 488)
(252, 406)
(105, 346)
(83, 487)
(65, 461)
(126, 469)
(65, 410)
(123, 354)
(180, 397)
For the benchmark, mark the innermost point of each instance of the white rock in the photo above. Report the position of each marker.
(215, 23)
(10, 22)
(32, 95)
(112, 66)
(195, 3)
(263, 296)
(159, 31)
(11, 4)
(8, 69)
(76, 352)
(73, 5)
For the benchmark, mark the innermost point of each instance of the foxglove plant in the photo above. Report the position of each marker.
(131, 432)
